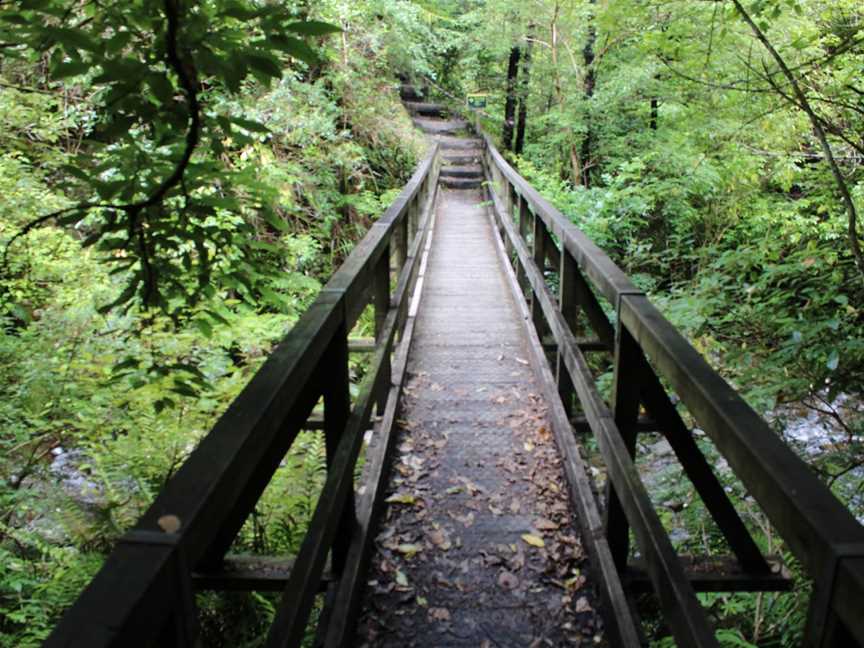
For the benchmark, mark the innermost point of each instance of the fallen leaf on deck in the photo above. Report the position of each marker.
(439, 614)
(401, 498)
(401, 579)
(467, 519)
(582, 604)
(440, 540)
(517, 562)
(542, 524)
(409, 550)
(421, 601)
(533, 540)
(507, 580)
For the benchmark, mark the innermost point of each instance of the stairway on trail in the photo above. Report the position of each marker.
(478, 545)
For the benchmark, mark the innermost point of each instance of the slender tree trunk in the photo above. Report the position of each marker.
(800, 99)
(655, 112)
(510, 103)
(588, 93)
(523, 96)
(570, 152)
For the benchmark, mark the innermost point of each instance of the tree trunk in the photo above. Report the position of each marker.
(588, 92)
(523, 97)
(510, 104)
(799, 98)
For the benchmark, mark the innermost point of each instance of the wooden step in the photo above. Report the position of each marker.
(460, 183)
(460, 159)
(462, 171)
(439, 126)
(461, 144)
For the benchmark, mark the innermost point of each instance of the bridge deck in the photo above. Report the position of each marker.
(476, 481)
(477, 544)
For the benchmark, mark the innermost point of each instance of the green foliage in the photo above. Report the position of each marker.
(300, 147)
(155, 185)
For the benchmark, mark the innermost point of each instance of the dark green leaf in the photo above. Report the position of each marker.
(313, 28)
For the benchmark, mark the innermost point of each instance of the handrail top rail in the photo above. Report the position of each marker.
(821, 532)
(682, 363)
(289, 365)
(211, 488)
(607, 276)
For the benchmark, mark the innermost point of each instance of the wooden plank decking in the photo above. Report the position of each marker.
(477, 482)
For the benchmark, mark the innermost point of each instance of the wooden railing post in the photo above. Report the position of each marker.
(399, 246)
(568, 304)
(824, 628)
(524, 217)
(539, 252)
(514, 200)
(337, 409)
(625, 409)
(412, 218)
(381, 303)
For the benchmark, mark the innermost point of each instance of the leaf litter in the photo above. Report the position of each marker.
(426, 577)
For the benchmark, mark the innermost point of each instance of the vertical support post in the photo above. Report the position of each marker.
(540, 239)
(824, 629)
(422, 193)
(625, 408)
(399, 245)
(568, 304)
(381, 303)
(539, 249)
(337, 409)
(413, 218)
(524, 216)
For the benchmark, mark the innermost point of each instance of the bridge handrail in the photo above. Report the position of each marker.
(143, 593)
(822, 534)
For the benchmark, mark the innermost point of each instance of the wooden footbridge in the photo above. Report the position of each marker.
(475, 507)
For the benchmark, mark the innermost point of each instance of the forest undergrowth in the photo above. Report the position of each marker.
(139, 303)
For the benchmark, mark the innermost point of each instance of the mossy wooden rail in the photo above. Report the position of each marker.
(143, 595)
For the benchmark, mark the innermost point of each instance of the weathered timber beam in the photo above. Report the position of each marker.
(342, 610)
(718, 574)
(361, 345)
(249, 574)
(807, 515)
(293, 612)
(622, 627)
(682, 610)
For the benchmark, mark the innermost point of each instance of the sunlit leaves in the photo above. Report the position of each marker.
(151, 101)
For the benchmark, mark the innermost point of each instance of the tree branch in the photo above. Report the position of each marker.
(804, 104)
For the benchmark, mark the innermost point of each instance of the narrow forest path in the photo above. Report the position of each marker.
(478, 545)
